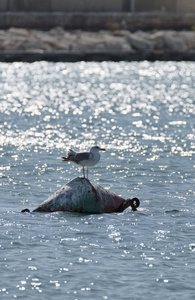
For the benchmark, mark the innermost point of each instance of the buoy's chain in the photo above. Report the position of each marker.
(134, 203)
(25, 210)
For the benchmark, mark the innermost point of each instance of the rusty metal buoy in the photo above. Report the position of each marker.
(83, 196)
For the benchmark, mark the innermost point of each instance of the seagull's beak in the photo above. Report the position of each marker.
(102, 149)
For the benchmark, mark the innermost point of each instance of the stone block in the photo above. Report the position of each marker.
(155, 5)
(3, 5)
(138, 42)
(187, 6)
(29, 5)
(87, 5)
(158, 40)
(189, 38)
(174, 42)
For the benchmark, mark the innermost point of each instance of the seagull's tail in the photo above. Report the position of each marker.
(71, 153)
(65, 158)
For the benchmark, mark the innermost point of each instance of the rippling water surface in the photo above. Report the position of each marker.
(143, 114)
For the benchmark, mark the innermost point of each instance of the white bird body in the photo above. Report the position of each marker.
(85, 159)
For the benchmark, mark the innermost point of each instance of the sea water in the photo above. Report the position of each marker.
(143, 114)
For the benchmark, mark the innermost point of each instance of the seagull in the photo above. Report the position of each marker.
(84, 159)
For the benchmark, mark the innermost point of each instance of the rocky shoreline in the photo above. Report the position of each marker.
(58, 44)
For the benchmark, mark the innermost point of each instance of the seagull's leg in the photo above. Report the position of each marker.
(87, 173)
(83, 172)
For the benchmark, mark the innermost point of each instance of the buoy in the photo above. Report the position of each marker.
(83, 196)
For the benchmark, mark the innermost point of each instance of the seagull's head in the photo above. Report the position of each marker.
(96, 148)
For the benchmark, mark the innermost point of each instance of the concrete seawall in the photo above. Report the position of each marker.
(97, 21)
(64, 56)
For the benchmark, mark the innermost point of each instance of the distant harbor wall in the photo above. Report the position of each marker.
(98, 21)
(73, 30)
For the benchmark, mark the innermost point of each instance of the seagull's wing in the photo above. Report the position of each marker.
(81, 156)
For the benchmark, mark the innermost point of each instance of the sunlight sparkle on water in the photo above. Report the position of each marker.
(143, 114)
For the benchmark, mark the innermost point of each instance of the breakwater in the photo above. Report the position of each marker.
(59, 44)
(60, 36)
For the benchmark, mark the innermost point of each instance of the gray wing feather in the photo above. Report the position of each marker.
(81, 156)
